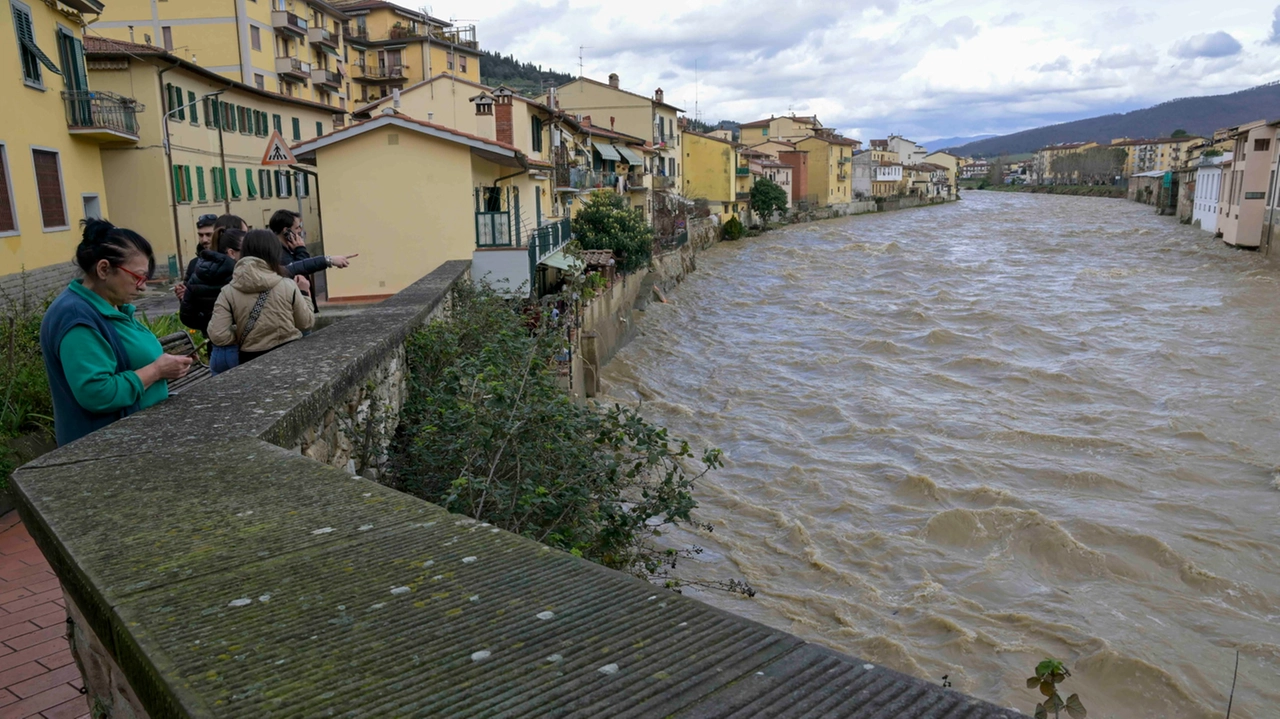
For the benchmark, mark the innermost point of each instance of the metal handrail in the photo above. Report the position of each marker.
(94, 109)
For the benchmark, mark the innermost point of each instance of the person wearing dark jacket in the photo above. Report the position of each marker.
(297, 260)
(208, 228)
(212, 272)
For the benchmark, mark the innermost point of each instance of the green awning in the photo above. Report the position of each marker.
(607, 151)
(632, 157)
(331, 51)
(561, 261)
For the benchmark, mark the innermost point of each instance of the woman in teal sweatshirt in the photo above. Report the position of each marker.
(102, 363)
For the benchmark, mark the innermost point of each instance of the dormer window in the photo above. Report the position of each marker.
(484, 104)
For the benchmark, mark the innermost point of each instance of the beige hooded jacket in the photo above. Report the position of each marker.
(284, 315)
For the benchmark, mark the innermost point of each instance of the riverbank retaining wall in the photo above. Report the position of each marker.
(217, 562)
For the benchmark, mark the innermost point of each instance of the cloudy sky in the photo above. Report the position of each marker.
(922, 68)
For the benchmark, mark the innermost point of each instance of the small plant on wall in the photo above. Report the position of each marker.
(1049, 674)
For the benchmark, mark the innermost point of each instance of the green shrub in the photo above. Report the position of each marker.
(487, 431)
(26, 406)
(606, 222)
(733, 229)
(768, 197)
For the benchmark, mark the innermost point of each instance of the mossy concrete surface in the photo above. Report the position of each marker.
(228, 576)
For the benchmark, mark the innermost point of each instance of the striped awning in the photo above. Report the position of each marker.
(632, 157)
(607, 151)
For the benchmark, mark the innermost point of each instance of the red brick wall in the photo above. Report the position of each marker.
(502, 121)
(799, 162)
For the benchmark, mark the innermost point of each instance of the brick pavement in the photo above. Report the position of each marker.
(38, 678)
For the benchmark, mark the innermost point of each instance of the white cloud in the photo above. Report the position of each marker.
(923, 67)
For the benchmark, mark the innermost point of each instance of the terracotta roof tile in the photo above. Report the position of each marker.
(406, 118)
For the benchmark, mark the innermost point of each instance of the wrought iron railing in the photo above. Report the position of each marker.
(497, 217)
(664, 182)
(285, 20)
(356, 33)
(401, 33)
(744, 170)
(98, 109)
(395, 72)
(547, 239)
(322, 35)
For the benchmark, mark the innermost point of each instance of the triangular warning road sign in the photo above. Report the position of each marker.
(278, 153)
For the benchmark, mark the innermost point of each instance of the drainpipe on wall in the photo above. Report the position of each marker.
(168, 156)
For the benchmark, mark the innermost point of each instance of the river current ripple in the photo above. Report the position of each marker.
(961, 439)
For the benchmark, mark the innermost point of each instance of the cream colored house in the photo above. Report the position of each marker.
(1248, 198)
(609, 106)
(217, 130)
(1042, 166)
(773, 147)
(1164, 154)
(791, 128)
(952, 165)
(830, 167)
(409, 195)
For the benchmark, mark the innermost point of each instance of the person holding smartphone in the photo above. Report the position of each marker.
(287, 225)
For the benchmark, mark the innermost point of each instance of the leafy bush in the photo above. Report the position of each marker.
(733, 229)
(27, 405)
(487, 431)
(606, 222)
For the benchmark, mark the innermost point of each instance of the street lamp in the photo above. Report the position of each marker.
(168, 153)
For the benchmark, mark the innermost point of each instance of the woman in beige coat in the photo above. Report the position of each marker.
(261, 309)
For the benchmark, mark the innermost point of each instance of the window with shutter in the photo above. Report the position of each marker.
(231, 116)
(186, 183)
(297, 130)
(235, 184)
(178, 103)
(276, 122)
(53, 206)
(30, 54)
(264, 179)
(219, 190)
(191, 104)
(306, 185)
(248, 184)
(200, 190)
(208, 103)
(177, 183)
(319, 128)
(8, 216)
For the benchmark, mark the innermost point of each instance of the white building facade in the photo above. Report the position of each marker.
(1208, 192)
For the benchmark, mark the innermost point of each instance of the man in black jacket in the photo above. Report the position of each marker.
(212, 272)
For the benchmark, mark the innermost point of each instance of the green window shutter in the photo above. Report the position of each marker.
(200, 190)
(186, 183)
(235, 185)
(191, 102)
(306, 184)
(177, 183)
(279, 185)
(276, 120)
(226, 116)
(319, 128)
(248, 184)
(178, 103)
(214, 118)
(297, 130)
(216, 176)
(168, 97)
(235, 110)
(264, 176)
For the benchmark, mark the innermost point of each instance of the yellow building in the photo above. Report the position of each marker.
(1164, 154)
(611, 107)
(1042, 168)
(292, 47)
(830, 164)
(390, 47)
(711, 167)
(217, 130)
(51, 129)
(791, 128)
(438, 194)
(952, 165)
(773, 147)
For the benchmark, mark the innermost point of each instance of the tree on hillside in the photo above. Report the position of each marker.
(606, 222)
(995, 170)
(767, 197)
(1095, 166)
(1179, 133)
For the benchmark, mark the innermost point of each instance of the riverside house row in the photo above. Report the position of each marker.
(153, 114)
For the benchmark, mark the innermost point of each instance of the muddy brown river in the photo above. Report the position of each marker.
(961, 439)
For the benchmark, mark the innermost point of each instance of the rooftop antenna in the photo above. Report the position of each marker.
(580, 49)
(697, 114)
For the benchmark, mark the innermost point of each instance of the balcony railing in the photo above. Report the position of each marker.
(288, 22)
(464, 35)
(321, 76)
(744, 170)
(402, 33)
(356, 33)
(294, 67)
(497, 225)
(394, 72)
(580, 179)
(321, 36)
(547, 239)
(102, 113)
(664, 182)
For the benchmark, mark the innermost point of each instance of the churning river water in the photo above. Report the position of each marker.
(961, 439)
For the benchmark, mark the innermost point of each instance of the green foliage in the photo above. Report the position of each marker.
(1212, 152)
(487, 431)
(733, 229)
(528, 78)
(1049, 674)
(165, 325)
(606, 222)
(1179, 133)
(767, 197)
(27, 405)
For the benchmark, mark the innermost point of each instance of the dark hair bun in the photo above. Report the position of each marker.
(102, 240)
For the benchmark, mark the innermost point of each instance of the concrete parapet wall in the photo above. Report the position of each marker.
(219, 562)
(33, 287)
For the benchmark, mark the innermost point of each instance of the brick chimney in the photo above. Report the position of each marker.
(613, 79)
(657, 95)
(586, 120)
(503, 126)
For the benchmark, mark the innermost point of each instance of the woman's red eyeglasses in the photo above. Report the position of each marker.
(141, 280)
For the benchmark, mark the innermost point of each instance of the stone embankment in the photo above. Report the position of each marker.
(223, 555)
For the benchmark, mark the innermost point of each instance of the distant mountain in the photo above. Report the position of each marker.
(524, 77)
(1196, 115)
(946, 142)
